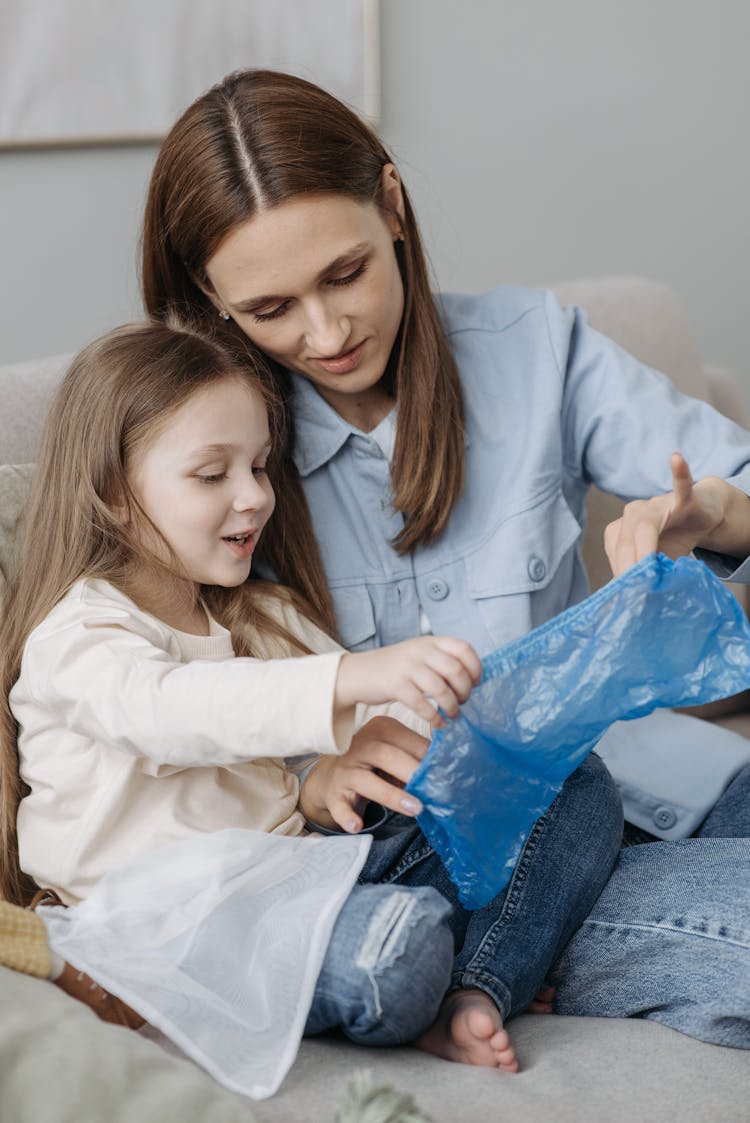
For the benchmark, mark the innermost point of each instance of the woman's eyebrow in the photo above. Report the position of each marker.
(346, 258)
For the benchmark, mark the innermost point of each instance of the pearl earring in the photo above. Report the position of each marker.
(224, 315)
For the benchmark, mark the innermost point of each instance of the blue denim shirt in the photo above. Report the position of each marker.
(551, 407)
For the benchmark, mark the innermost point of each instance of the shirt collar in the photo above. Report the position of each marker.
(319, 432)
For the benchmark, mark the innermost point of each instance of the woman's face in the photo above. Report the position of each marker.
(314, 282)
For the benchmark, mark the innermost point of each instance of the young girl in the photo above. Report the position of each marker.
(155, 694)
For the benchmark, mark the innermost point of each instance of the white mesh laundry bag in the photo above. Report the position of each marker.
(217, 940)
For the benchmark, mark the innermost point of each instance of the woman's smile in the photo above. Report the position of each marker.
(343, 363)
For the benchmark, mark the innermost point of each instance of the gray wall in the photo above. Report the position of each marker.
(540, 140)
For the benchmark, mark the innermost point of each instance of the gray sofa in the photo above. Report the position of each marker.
(59, 1063)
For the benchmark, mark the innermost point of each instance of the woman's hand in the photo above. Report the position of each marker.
(424, 673)
(711, 513)
(379, 762)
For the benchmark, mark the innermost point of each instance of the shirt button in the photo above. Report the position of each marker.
(537, 568)
(664, 818)
(437, 589)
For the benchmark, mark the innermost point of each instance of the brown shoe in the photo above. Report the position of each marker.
(105, 1005)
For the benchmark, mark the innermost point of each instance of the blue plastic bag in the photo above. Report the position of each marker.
(663, 634)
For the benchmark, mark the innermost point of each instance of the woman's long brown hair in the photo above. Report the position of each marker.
(115, 395)
(256, 139)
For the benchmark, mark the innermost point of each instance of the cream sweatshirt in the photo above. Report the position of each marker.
(133, 734)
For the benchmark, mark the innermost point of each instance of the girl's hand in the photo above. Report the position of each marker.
(379, 762)
(711, 513)
(422, 673)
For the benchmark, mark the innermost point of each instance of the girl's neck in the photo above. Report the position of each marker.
(174, 601)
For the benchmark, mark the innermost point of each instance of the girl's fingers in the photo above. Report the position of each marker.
(385, 757)
(368, 786)
(454, 673)
(342, 809)
(415, 699)
(438, 690)
(464, 653)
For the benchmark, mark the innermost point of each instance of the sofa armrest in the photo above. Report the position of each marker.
(725, 394)
(26, 391)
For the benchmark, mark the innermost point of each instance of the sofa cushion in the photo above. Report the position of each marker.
(26, 390)
(15, 480)
(573, 1070)
(58, 1062)
(646, 319)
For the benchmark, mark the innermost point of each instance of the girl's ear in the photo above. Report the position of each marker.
(394, 197)
(119, 507)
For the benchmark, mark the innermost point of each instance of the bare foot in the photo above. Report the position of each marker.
(469, 1030)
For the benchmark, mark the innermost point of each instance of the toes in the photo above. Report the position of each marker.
(506, 1058)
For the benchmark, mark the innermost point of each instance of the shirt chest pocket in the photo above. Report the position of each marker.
(354, 616)
(529, 552)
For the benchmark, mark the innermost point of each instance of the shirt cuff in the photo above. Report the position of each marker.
(725, 566)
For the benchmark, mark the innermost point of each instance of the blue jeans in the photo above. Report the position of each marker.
(389, 965)
(669, 938)
(730, 815)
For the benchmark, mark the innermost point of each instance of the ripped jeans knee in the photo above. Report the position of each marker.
(387, 966)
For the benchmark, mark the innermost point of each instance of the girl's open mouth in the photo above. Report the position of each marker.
(241, 545)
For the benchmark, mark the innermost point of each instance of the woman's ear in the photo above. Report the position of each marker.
(394, 199)
(209, 293)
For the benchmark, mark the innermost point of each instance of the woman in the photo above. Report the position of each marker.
(441, 449)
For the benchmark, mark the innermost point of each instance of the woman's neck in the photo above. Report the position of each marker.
(364, 411)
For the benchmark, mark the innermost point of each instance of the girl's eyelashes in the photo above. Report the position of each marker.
(337, 282)
(217, 477)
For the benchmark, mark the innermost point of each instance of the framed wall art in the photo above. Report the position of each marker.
(76, 72)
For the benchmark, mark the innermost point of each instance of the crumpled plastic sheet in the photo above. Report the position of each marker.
(664, 633)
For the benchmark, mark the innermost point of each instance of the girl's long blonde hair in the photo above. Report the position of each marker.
(117, 392)
(253, 141)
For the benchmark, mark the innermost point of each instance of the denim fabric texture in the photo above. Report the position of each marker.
(387, 967)
(505, 948)
(730, 815)
(668, 940)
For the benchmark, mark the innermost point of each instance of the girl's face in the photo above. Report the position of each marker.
(314, 282)
(202, 481)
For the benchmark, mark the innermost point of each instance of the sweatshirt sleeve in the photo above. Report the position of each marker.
(109, 675)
